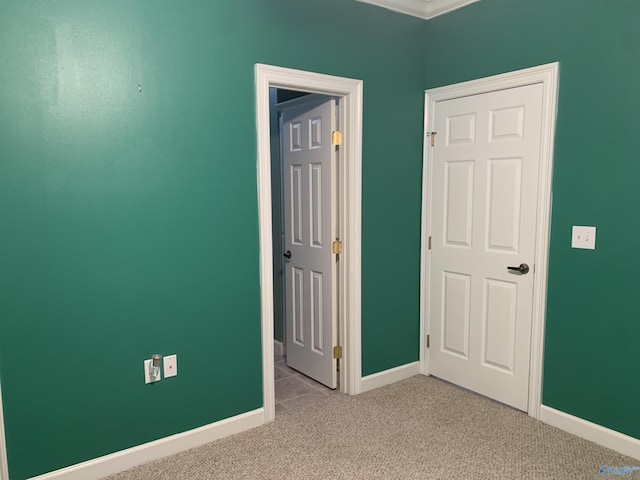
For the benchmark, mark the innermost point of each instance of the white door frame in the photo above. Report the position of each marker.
(547, 75)
(349, 309)
(4, 467)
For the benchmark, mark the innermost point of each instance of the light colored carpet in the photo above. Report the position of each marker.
(419, 428)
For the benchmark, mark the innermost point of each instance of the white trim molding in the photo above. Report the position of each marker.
(4, 466)
(547, 75)
(387, 377)
(350, 93)
(425, 9)
(591, 431)
(132, 457)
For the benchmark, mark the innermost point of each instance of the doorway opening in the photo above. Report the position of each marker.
(278, 97)
(305, 166)
(349, 93)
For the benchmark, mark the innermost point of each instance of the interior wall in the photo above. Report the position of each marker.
(128, 199)
(590, 360)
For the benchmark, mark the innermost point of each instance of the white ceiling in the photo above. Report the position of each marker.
(420, 8)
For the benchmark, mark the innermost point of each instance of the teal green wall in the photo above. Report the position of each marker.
(129, 221)
(591, 360)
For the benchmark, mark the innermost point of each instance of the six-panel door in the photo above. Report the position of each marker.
(485, 176)
(309, 208)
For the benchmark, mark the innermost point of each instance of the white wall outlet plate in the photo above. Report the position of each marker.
(170, 366)
(147, 377)
(583, 237)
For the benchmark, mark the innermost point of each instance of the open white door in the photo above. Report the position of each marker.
(309, 179)
(485, 197)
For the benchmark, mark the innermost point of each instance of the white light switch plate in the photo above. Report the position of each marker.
(170, 366)
(583, 237)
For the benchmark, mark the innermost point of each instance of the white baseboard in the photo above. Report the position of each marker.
(132, 457)
(279, 348)
(390, 376)
(591, 431)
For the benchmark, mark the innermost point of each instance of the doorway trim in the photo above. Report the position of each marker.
(4, 467)
(547, 75)
(349, 308)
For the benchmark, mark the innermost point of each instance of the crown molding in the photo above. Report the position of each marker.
(425, 9)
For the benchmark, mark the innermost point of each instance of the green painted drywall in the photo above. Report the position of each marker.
(590, 363)
(128, 207)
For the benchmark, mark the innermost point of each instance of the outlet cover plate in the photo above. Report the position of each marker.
(583, 237)
(170, 366)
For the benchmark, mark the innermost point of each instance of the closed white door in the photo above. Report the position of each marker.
(485, 183)
(309, 230)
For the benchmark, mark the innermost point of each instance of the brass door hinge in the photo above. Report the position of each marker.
(428, 341)
(337, 352)
(336, 137)
(337, 247)
(433, 138)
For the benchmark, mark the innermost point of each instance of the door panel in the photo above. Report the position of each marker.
(296, 313)
(499, 324)
(503, 204)
(309, 206)
(459, 203)
(485, 176)
(457, 289)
